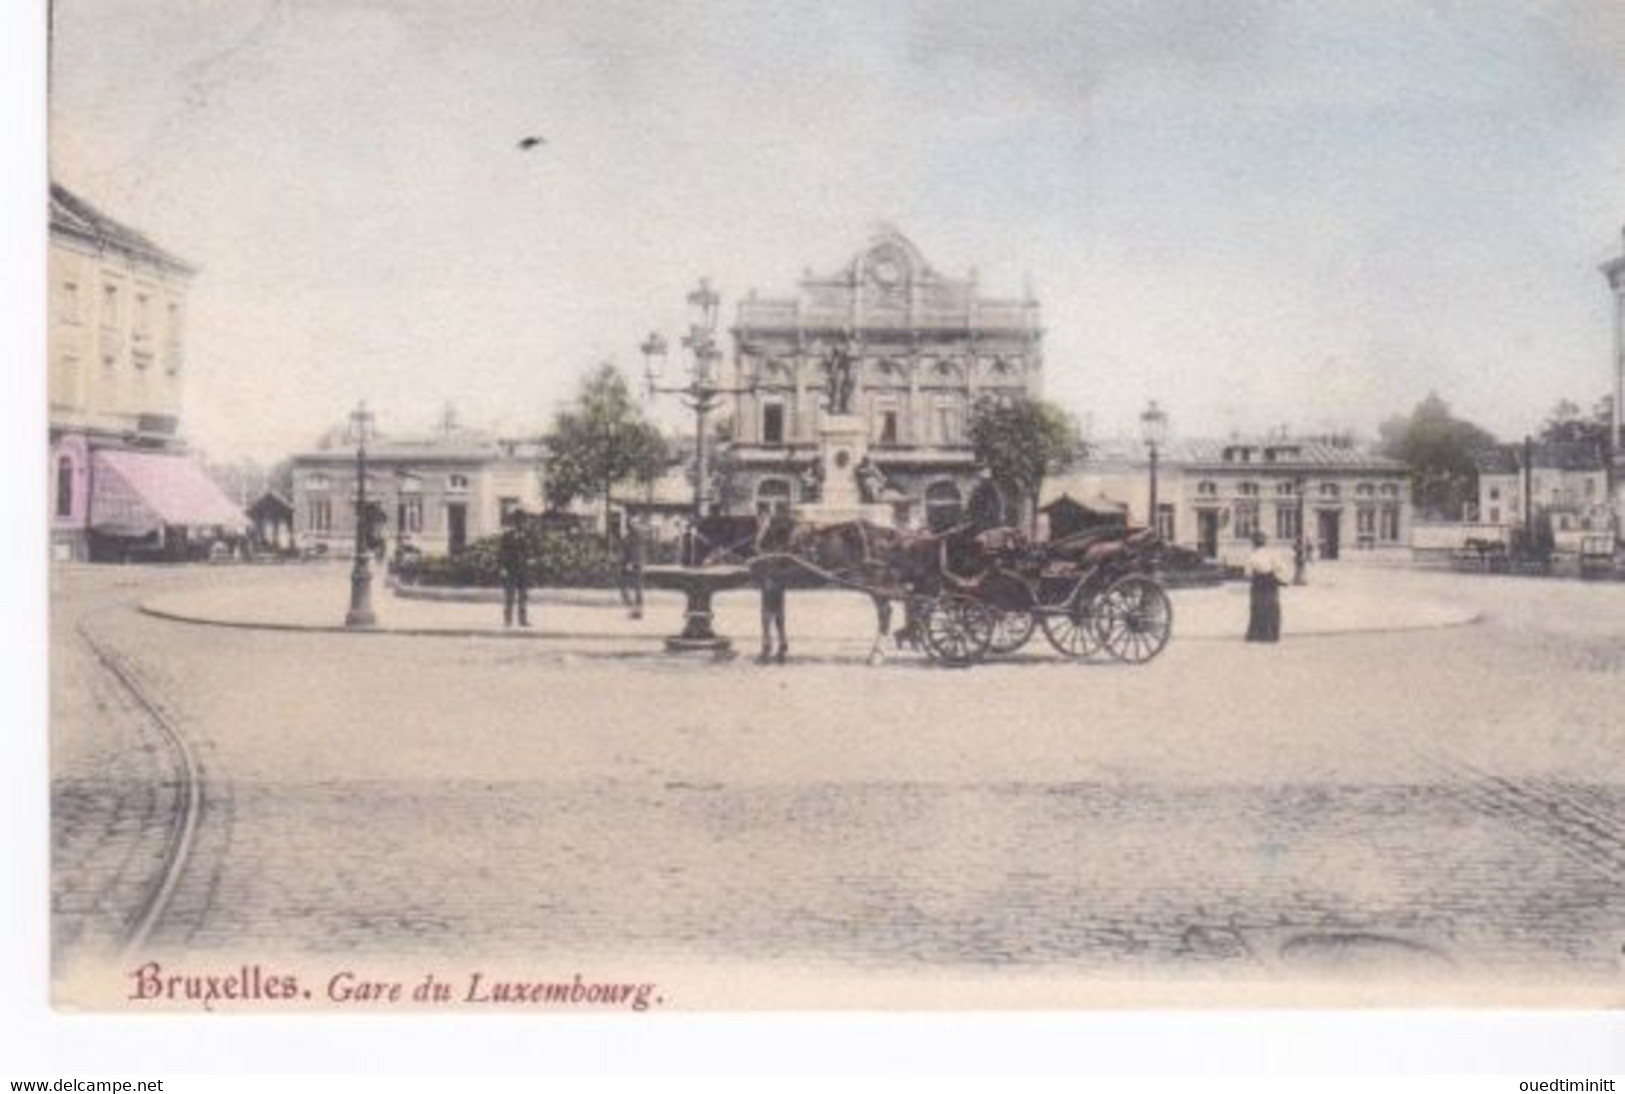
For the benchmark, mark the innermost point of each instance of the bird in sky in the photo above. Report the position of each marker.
(528, 143)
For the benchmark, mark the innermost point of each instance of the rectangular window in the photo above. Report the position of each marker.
(1495, 514)
(1286, 522)
(1365, 522)
(1388, 531)
(506, 506)
(321, 515)
(411, 514)
(143, 315)
(110, 318)
(947, 423)
(888, 426)
(773, 423)
(70, 301)
(1246, 520)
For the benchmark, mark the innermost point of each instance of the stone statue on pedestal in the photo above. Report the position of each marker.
(839, 381)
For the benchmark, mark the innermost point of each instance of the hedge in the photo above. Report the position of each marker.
(557, 558)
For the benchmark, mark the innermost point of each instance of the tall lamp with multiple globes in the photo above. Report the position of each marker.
(1154, 432)
(701, 393)
(359, 433)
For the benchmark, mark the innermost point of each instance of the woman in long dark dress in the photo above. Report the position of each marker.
(1266, 577)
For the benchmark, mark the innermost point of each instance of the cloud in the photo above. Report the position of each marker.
(1065, 51)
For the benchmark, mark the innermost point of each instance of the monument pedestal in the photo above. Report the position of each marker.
(843, 444)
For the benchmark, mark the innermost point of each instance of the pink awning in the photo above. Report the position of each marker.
(135, 493)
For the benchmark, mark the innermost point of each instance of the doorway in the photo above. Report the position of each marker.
(456, 526)
(1331, 529)
(1207, 533)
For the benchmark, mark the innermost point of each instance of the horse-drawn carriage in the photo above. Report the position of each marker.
(967, 595)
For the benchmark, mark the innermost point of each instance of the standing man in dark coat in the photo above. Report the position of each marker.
(513, 559)
(985, 509)
(634, 553)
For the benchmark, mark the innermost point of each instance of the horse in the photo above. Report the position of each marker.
(884, 563)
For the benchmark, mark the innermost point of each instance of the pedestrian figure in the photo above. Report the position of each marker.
(985, 509)
(1266, 576)
(513, 559)
(1300, 561)
(634, 553)
(772, 619)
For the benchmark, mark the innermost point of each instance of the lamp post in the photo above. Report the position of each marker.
(360, 614)
(701, 393)
(1154, 432)
(1300, 550)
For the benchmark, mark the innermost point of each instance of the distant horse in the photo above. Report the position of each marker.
(884, 563)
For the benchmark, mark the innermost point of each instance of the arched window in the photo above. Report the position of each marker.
(317, 481)
(942, 505)
(64, 487)
(1365, 490)
(1207, 488)
(1248, 490)
(773, 498)
(458, 483)
(1286, 489)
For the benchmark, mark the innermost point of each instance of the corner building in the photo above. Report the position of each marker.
(924, 348)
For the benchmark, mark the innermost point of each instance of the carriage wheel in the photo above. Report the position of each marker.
(1134, 619)
(1011, 630)
(957, 630)
(1074, 631)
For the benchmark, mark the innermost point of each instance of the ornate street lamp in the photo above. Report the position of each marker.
(360, 431)
(701, 393)
(1154, 432)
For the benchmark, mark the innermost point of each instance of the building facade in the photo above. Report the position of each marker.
(119, 476)
(1213, 495)
(437, 493)
(921, 350)
(1568, 482)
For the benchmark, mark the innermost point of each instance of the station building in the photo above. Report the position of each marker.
(924, 348)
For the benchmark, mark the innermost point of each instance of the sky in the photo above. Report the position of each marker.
(1261, 214)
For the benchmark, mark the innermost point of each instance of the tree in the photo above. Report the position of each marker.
(1442, 452)
(601, 439)
(1567, 424)
(1022, 441)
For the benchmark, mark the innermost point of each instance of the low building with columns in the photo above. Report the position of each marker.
(1212, 495)
(915, 349)
(437, 492)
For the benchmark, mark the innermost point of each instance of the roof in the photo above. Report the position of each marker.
(74, 215)
(461, 445)
(1507, 459)
(270, 503)
(1292, 453)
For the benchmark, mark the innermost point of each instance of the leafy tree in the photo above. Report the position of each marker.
(1442, 452)
(1023, 441)
(602, 438)
(1568, 424)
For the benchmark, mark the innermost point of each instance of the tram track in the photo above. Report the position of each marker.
(181, 836)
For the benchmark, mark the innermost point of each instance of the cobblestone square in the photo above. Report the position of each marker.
(1439, 806)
